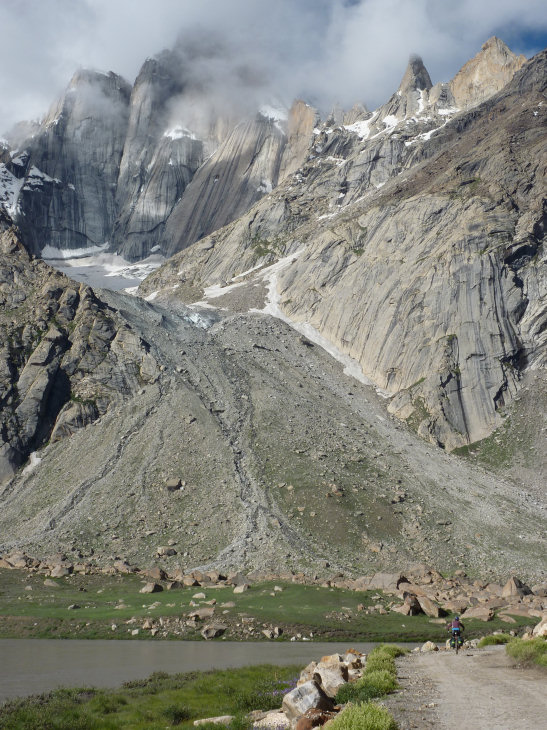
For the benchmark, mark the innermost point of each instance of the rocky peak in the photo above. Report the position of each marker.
(485, 74)
(416, 77)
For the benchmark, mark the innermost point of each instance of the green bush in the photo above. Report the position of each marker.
(494, 640)
(392, 649)
(380, 661)
(176, 713)
(368, 716)
(531, 651)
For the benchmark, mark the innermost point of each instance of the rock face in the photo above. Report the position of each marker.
(67, 171)
(111, 165)
(64, 356)
(407, 250)
(485, 74)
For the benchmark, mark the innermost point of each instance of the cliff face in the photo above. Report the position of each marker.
(416, 246)
(65, 174)
(65, 357)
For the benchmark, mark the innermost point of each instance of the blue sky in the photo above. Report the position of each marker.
(329, 51)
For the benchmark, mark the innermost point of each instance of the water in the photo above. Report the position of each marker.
(32, 666)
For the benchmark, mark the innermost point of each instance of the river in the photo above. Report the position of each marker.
(32, 666)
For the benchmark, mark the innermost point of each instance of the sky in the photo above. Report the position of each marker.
(325, 51)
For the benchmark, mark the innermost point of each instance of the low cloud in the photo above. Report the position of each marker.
(247, 51)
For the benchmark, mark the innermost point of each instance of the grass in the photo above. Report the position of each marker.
(379, 677)
(160, 701)
(327, 613)
(531, 652)
(494, 640)
(367, 716)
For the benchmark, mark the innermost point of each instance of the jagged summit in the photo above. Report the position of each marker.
(485, 74)
(416, 77)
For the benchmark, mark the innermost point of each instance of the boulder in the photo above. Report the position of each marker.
(413, 604)
(331, 677)
(481, 612)
(221, 720)
(541, 628)
(156, 573)
(314, 718)
(305, 697)
(151, 588)
(540, 590)
(202, 613)
(242, 588)
(172, 485)
(211, 631)
(429, 608)
(274, 720)
(60, 571)
(515, 587)
(429, 646)
(165, 551)
(388, 582)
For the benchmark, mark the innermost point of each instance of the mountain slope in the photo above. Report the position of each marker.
(420, 255)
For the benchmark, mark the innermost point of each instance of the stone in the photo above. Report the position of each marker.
(50, 583)
(314, 718)
(274, 720)
(540, 629)
(303, 698)
(388, 582)
(60, 571)
(480, 612)
(429, 608)
(331, 677)
(220, 720)
(242, 588)
(202, 613)
(429, 646)
(172, 485)
(212, 631)
(165, 551)
(515, 587)
(151, 588)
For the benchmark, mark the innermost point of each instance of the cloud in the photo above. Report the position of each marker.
(324, 50)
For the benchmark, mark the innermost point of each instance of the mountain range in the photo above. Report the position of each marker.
(208, 414)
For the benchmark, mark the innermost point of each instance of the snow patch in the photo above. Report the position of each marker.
(95, 267)
(10, 187)
(34, 461)
(50, 253)
(390, 121)
(179, 132)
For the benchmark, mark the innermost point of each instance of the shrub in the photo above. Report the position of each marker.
(176, 713)
(392, 649)
(493, 640)
(372, 684)
(532, 651)
(368, 716)
(380, 661)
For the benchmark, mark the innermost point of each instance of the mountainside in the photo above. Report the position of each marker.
(419, 253)
(190, 438)
(343, 298)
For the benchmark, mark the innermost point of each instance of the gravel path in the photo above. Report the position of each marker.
(476, 690)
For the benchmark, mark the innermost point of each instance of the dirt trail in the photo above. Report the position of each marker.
(476, 690)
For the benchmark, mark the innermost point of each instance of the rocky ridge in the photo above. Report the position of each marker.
(414, 245)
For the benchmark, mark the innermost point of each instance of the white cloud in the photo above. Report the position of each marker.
(327, 50)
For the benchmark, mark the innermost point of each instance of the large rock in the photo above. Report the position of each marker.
(540, 629)
(212, 631)
(515, 587)
(305, 697)
(429, 608)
